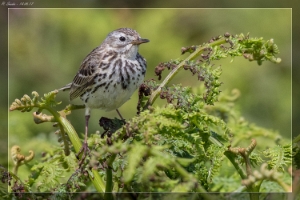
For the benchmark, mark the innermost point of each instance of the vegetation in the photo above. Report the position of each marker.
(196, 141)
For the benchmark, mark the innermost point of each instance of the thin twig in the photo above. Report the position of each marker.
(196, 53)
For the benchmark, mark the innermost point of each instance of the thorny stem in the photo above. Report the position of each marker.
(171, 75)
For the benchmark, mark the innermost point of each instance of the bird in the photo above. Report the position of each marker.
(109, 75)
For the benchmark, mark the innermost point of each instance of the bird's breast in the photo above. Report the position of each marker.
(114, 85)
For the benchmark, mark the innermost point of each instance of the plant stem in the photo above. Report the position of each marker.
(171, 75)
(97, 181)
(296, 139)
(15, 169)
(254, 196)
(67, 126)
(252, 189)
(71, 133)
(62, 132)
(286, 187)
(109, 183)
(239, 169)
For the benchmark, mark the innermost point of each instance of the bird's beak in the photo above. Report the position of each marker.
(139, 41)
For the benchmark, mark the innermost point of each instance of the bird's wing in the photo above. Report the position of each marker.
(66, 87)
(86, 74)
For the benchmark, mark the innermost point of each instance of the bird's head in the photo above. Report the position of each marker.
(125, 41)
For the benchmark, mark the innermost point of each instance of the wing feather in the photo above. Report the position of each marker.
(86, 74)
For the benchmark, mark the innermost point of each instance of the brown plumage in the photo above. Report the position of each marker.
(110, 74)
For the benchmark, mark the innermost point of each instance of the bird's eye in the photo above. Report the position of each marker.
(122, 38)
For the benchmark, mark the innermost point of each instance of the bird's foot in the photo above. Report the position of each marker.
(84, 151)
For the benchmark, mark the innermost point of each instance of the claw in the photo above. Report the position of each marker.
(84, 151)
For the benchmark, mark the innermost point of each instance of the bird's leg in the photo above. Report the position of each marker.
(120, 115)
(84, 149)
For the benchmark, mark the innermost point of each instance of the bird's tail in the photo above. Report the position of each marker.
(66, 87)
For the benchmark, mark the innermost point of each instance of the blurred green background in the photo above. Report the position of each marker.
(47, 46)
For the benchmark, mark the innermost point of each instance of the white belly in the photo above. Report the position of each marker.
(112, 97)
